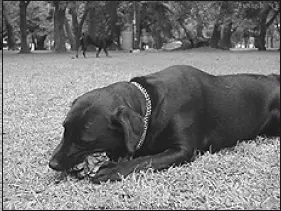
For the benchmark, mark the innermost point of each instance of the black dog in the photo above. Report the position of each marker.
(161, 119)
(102, 42)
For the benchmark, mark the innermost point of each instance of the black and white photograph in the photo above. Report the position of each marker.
(140, 105)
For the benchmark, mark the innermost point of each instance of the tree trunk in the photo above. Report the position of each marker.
(263, 25)
(271, 41)
(138, 34)
(260, 40)
(246, 42)
(219, 31)
(41, 42)
(34, 40)
(92, 23)
(159, 41)
(69, 34)
(216, 36)
(136, 13)
(227, 32)
(199, 26)
(24, 46)
(187, 33)
(116, 29)
(59, 35)
(10, 29)
(246, 37)
(112, 8)
(278, 28)
(156, 37)
(77, 27)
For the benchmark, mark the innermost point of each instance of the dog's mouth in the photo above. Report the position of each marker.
(88, 166)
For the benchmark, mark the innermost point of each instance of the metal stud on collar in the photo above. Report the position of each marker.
(147, 113)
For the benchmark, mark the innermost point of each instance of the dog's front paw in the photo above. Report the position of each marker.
(79, 171)
(112, 171)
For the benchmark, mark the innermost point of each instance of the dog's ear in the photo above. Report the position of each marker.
(132, 125)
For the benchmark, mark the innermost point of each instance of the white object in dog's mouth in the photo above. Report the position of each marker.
(91, 163)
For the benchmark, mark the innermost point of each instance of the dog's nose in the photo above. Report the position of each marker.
(55, 165)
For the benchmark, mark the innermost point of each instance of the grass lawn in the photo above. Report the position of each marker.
(38, 91)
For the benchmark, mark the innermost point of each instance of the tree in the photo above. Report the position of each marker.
(40, 42)
(199, 25)
(162, 19)
(197, 14)
(264, 24)
(278, 27)
(246, 37)
(24, 46)
(77, 26)
(182, 15)
(92, 22)
(69, 33)
(136, 24)
(59, 20)
(223, 28)
(263, 17)
(9, 28)
(112, 8)
(38, 24)
(226, 33)
(1, 29)
(216, 36)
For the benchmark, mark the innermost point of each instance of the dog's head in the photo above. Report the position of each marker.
(94, 128)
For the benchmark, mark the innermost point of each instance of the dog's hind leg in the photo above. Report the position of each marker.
(105, 50)
(84, 52)
(272, 125)
(97, 55)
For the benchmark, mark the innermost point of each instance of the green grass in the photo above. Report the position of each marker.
(38, 91)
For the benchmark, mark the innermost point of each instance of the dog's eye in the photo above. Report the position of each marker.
(87, 126)
(78, 146)
(83, 144)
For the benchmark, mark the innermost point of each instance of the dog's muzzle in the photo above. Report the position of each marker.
(55, 165)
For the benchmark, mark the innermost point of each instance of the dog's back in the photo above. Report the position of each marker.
(231, 107)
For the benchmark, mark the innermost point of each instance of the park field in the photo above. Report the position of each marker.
(38, 89)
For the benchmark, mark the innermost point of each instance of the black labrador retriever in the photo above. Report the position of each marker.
(163, 118)
(101, 42)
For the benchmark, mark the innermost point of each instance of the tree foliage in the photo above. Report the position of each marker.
(196, 23)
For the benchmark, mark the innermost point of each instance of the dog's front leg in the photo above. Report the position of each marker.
(114, 170)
